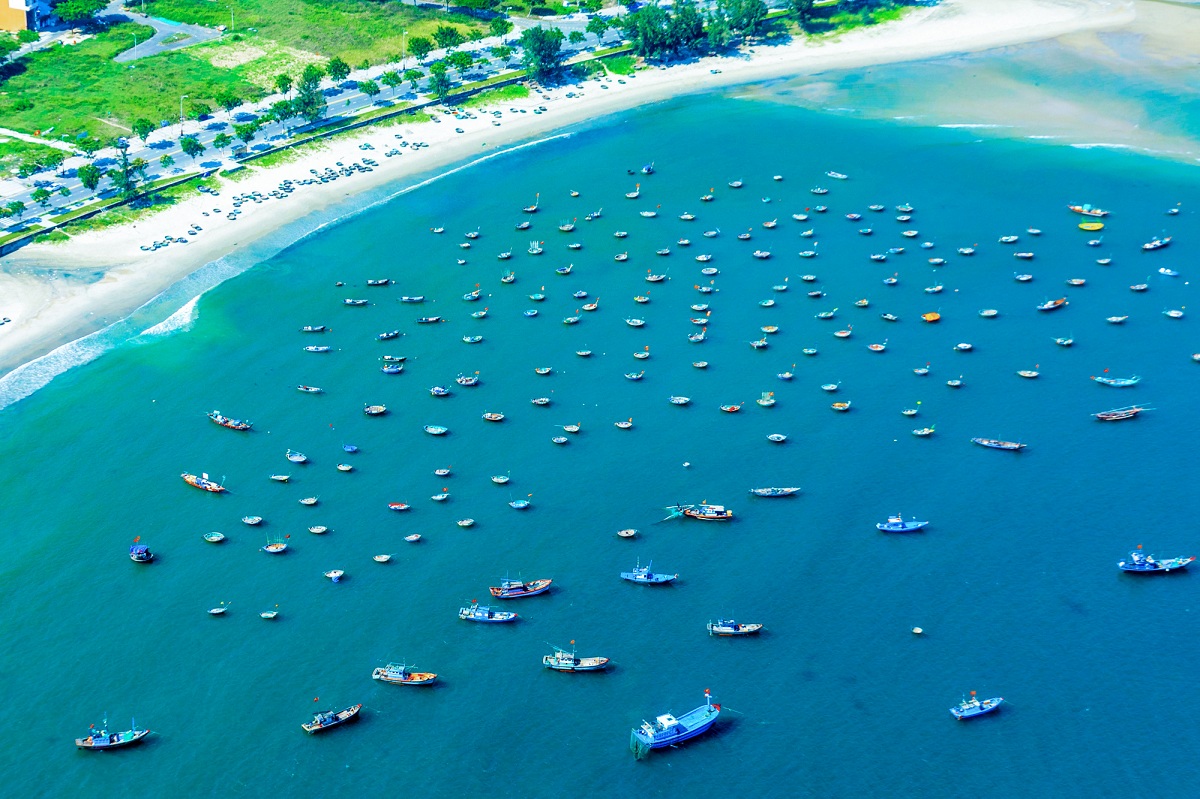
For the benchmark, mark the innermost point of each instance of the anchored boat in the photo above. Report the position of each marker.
(969, 708)
(103, 739)
(330, 718)
(668, 730)
(896, 524)
(398, 674)
(562, 660)
(1140, 562)
(643, 575)
(515, 589)
(731, 627)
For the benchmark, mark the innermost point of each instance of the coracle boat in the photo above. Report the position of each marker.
(668, 730)
(1118, 414)
(628, 532)
(140, 553)
(896, 524)
(398, 674)
(1051, 305)
(330, 718)
(969, 708)
(436, 430)
(841, 406)
(202, 482)
(702, 511)
(562, 660)
(731, 627)
(1146, 564)
(994, 443)
(275, 547)
(374, 410)
(483, 613)
(100, 739)
(732, 408)
(643, 575)
(335, 575)
(225, 421)
(214, 537)
(515, 589)
(252, 520)
(1118, 382)
(493, 416)
(775, 492)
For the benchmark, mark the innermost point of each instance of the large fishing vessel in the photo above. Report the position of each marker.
(643, 574)
(668, 730)
(98, 739)
(330, 718)
(701, 511)
(398, 674)
(515, 589)
(1141, 562)
(969, 708)
(225, 421)
(202, 482)
(562, 660)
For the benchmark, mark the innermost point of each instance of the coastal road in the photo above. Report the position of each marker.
(163, 30)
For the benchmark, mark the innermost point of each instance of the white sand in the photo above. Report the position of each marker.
(56, 293)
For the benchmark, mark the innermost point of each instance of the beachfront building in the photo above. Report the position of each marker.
(17, 15)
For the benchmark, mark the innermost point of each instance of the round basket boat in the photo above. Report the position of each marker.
(214, 537)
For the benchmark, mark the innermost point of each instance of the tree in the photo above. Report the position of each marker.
(27, 36)
(8, 46)
(310, 76)
(89, 175)
(541, 51)
(228, 100)
(447, 36)
(337, 69)
(745, 16)
(576, 37)
(283, 83)
(198, 110)
(501, 51)
(646, 30)
(475, 6)
(499, 26)
(78, 12)
(53, 159)
(369, 87)
(166, 162)
(124, 175)
(686, 28)
(139, 166)
(142, 128)
(309, 103)
(391, 79)
(420, 47)
(63, 191)
(222, 140)
(41, 196)
(412, 76)
(803, 9)
(282, 111)
(439, 81)
(717, 31)
(598, 26)
(191, 146)
(461, 61)
(15, 208)
(245, 132)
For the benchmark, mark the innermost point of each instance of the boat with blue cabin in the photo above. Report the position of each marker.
(99, 739)
(1141, 562)
(896, 524)
(775, 491)
(562, 660)
(483, 613)
(669, 730)
(643, 575)
(330, 718)
(969, 708)
(731, 627)
(515, 589)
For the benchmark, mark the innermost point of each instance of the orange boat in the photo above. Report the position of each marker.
(931, 316)
(202, 482)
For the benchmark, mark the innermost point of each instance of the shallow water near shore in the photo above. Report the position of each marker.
(1014, 581)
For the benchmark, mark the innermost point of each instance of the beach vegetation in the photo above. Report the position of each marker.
(15, 152)
(496, 96)
(80, 89)
(541, 51)
(620, 64)
(55, 236)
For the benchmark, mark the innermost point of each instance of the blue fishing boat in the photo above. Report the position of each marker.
(1141, 562)
(515, 589)
(98, 739)
(642, 574)
(896, 524)
(1117, 382)
(140, 553)
(483, 613)
(330, 718)
(969, 708)
(775, 491)
(668, 730)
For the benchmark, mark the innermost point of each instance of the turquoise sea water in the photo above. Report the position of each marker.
(1014, 581)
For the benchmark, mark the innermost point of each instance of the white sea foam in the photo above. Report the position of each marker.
(972, 125)
(1100, 144)
(180, 320)
(29, 377)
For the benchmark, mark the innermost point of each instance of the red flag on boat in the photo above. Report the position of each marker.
(716, 707)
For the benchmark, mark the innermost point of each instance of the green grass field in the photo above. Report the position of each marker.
(14, 151)
(354, 30)
(81, 89)
(503, 94)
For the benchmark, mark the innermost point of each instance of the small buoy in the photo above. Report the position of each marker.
(917, 630)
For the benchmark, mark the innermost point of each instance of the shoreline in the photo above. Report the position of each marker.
(58, 293)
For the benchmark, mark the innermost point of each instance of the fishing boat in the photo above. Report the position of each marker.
(877, 347)
(412, 539)
(677, 400)
(374, 410)
(1118, 382)
(896, 524)
(969, 708)
(635, 322)
(416, 299)
(335, 575)
(994, 443)
(1076, 281)
(225, 421)
(1116, 320)
(428, 320)
(668, 730)
(269, 614)
(330, 718)
(540, 401)
(1022, 278)
(519, 504)
(483, 613)
(635, 375)
(1119, 414)
(281, 478)
(1140, 562)
(775, 492)
(140, 553)
(1064, 341)
(253, 521)
(309, 501)
(465, 522)
(439, 391)
(435, 430)
(515, 589)
(729, 627)
(956, 382)
(1088, 210)
(562, 660)
(643, 575)
(923, 432)
(275, 546)
(966, 250)
(732, 408)
(467, 380)
(313, 329)
(841, 406)
(830, 387)
(318, 529)
(1173, 314)
(310, 389)
(100, 739)
(202, 482)
(1139, 287)
(1156, 243)
(509, 276)
(1050, 305)
(963, 346)
(1029, 373)
(214, 537)
(392, 368)
(354, 303)
(1162, 270)
(493, 416)
(702, 511)
(777, 438)
(767, 399)
(387, 336)
(398, 674)
(989, 313)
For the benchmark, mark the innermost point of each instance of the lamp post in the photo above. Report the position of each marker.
(403, 48)
(181, 99)
(231, 19)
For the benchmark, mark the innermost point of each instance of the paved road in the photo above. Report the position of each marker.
(163, 30)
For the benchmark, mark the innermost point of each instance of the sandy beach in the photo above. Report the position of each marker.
(56, 293)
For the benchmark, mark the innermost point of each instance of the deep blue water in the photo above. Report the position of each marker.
(1014, 581)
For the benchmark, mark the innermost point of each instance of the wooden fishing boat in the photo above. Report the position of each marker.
(309, 389)
(140, 553)
(1156, 243)
(777, 438)
(318, 529)
(1116, 320)
(374, 410)
(1050, 305)
(515, 589)
(309, 501)
(1087, 210)
(275, 546)
(993, 443)
(465, 522)
(354, 303)
(313, 329)
(436, 430)
(562, 660)
(773, 491)
(923, 432)
(1120, 414)
(252, 520)
(729, 627)
(643, 575)
(101, 739)
(1117, 382)
(732, 408)
(483, 613)
(281, 478)
(969, 708)
(841, 406)
(381, 558)
(335, 575)
(203, 482)
(1030, 373)
(668, 730)
(412, 539)
(225, 421)
(328, 719)
(399, 674)
(493, 416)
(628, 532)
